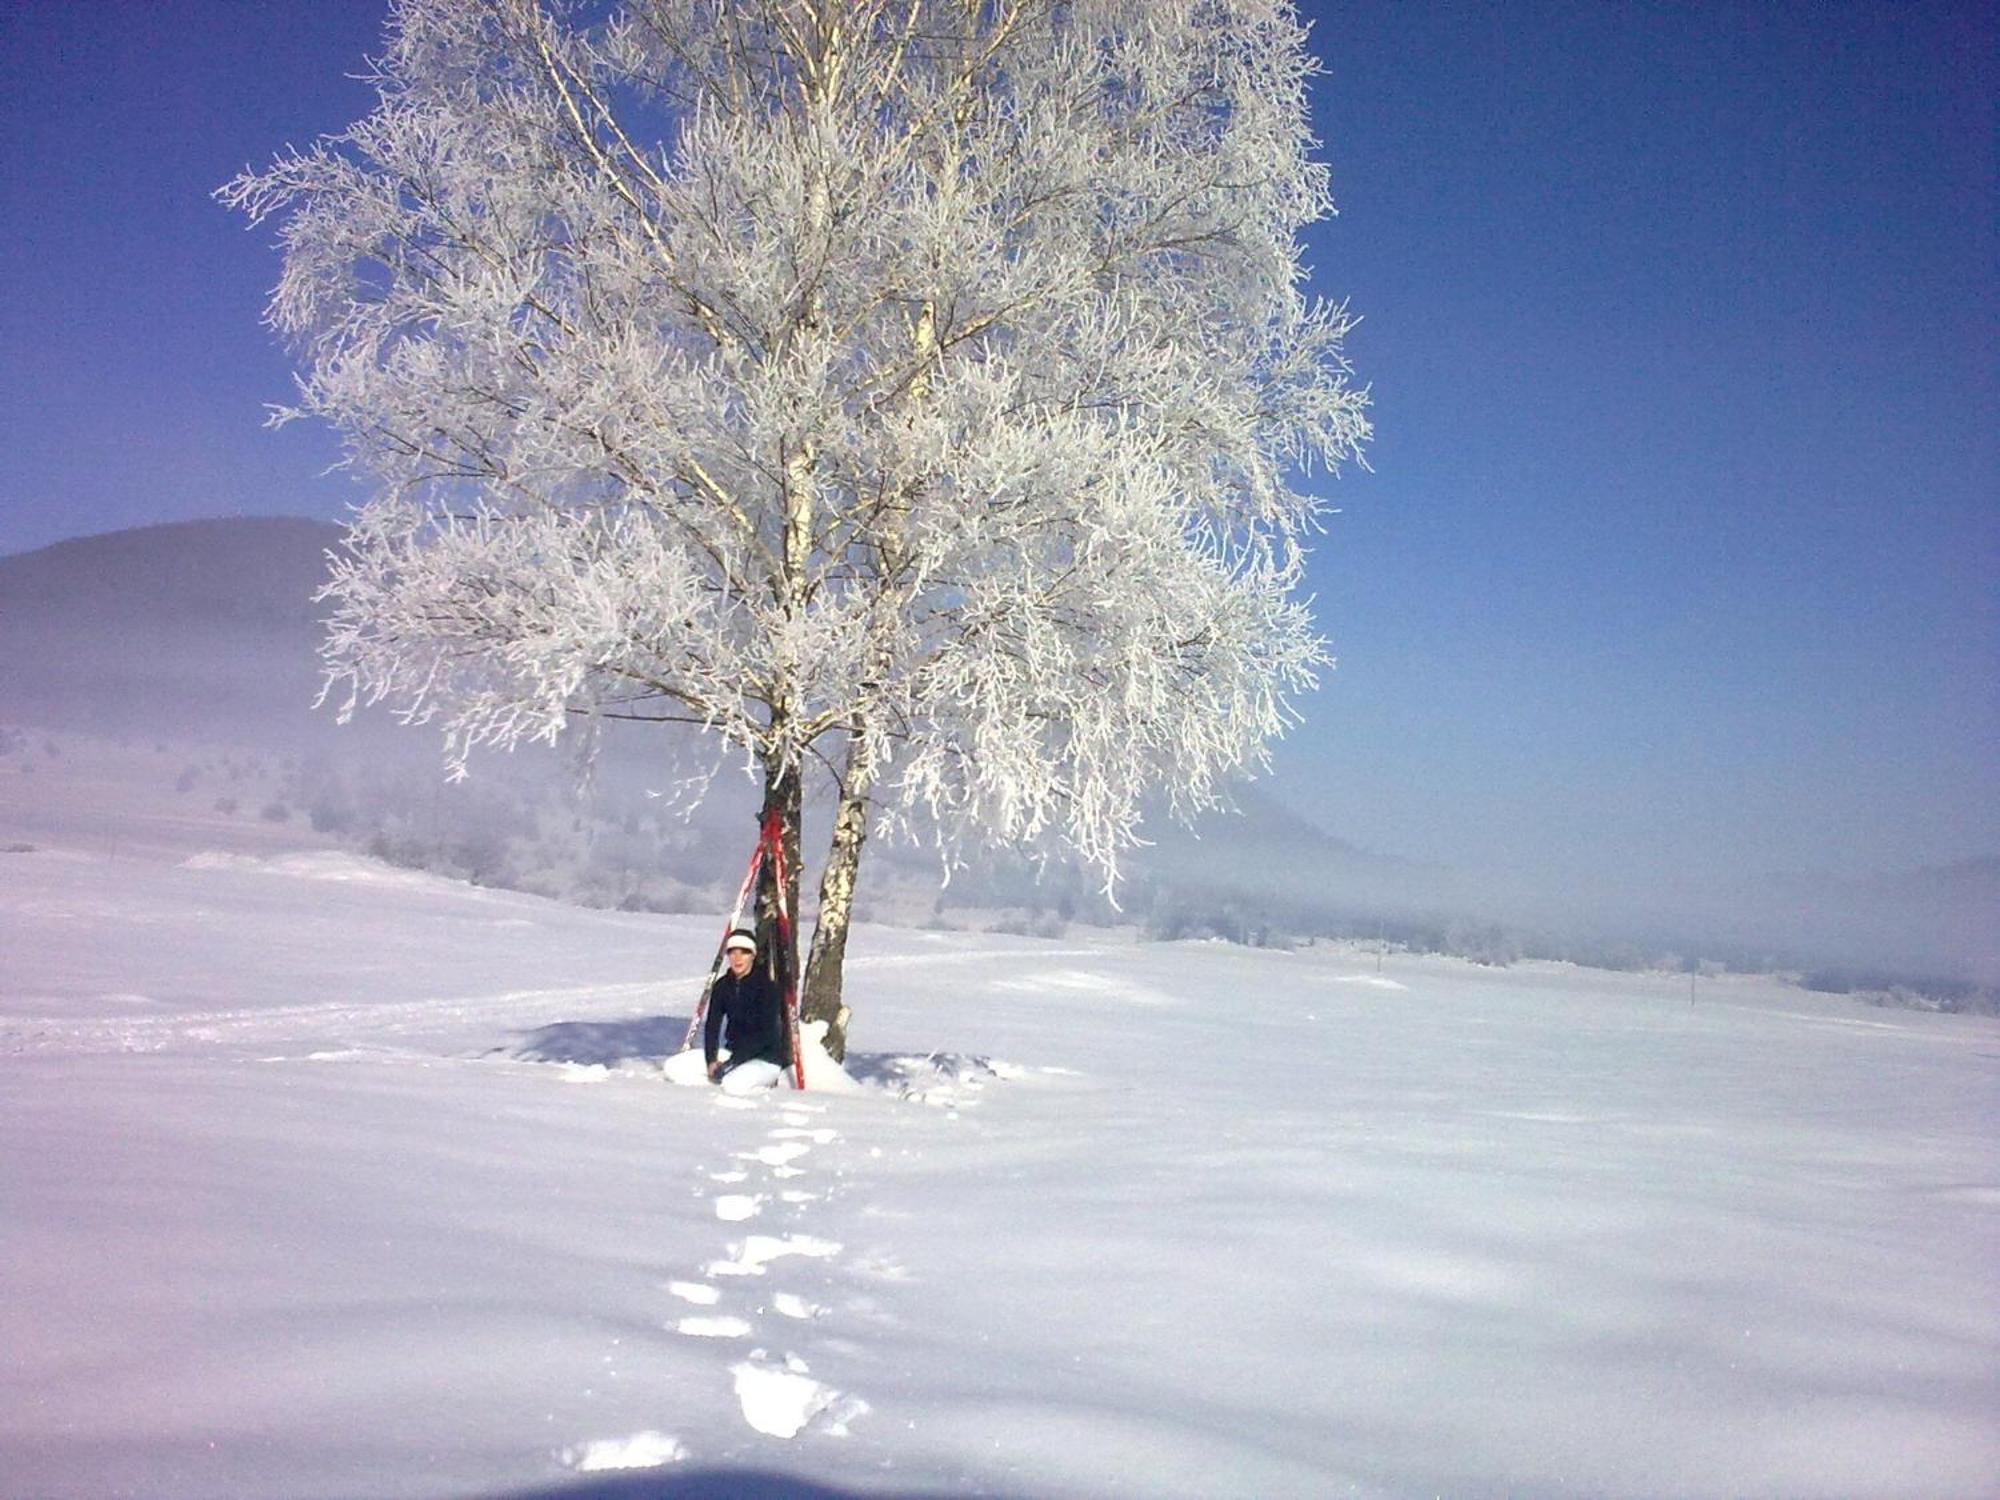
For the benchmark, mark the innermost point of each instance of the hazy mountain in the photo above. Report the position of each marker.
(205, 635)
(203, 627)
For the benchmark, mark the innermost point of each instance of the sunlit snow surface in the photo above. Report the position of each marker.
(299, 1198)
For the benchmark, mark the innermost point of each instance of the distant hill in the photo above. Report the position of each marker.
(196, 627)
(204, 634)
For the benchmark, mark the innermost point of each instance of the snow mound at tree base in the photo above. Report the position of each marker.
(949, 1080)
(823, 1075)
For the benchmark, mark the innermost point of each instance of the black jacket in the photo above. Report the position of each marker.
(750, 1007)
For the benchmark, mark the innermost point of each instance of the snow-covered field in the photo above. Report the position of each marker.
(327, 1179)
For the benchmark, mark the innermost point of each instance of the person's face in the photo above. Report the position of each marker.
(740, 960)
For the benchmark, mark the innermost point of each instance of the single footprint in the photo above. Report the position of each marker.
(642, 1450)
(792, 1305)
(697, 1292)
(775, 1156)
(721, 1327)
(736, 1206)
(759, 1250)
(780, 1399)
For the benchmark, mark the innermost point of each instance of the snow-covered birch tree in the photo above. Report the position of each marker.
(912, 390)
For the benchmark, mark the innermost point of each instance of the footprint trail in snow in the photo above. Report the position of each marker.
(778, 1393)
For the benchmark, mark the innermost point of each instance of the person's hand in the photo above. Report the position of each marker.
(715, 1069)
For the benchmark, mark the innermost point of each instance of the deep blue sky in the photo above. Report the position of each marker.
(1680, 554)
(1683, 543)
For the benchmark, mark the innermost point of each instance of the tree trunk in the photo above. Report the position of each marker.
(826, 967)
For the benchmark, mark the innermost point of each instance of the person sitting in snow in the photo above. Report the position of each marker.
(744, 1005)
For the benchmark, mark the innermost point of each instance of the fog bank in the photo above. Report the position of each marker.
(205, 632)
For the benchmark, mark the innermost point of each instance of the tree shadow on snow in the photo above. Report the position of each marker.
(643, 1039)
(711, 1484)
(913, 1074)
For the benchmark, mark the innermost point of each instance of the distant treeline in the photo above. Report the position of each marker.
(1168, 910)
